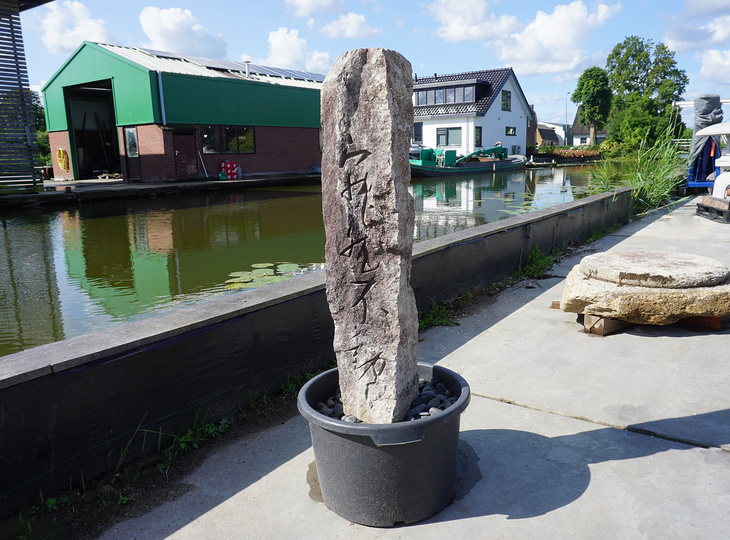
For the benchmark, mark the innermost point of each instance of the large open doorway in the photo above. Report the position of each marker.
(92, 129)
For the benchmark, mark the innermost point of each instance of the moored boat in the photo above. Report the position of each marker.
(440, 162)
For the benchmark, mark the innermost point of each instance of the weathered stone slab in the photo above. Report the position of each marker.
(650, 268)
(641, 304)
(367, 120)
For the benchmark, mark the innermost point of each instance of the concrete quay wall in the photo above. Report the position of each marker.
(76, 409)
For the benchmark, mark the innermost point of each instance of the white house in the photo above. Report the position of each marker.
(469, 111)
(581, 133)
(558, 135)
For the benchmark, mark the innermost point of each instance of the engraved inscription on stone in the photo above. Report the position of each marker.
(367, 118)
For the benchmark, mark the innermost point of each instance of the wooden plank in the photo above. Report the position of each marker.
(714, 202)
(714, 323)
(602, 326)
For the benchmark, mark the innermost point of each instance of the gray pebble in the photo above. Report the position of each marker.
(415, 411)
(330, 403)
(326, 411)
(435, 402)
(434, 410)
(349, 418)
(338, 410)
(428, 395)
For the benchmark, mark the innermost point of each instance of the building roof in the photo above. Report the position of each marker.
(170, 62)
(547, 133)
(490, 80)
(579, 129)
(30, 4)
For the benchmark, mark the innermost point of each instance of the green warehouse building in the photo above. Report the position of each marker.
(152, 116)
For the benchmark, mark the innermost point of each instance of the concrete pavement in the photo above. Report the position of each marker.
(568, 435)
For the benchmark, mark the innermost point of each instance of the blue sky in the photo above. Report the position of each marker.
(548, 44)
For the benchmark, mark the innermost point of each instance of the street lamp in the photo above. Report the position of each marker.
(565, 138)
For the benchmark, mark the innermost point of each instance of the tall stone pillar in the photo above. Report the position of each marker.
(367, 121)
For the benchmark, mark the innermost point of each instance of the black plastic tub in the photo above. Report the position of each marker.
(383, 474)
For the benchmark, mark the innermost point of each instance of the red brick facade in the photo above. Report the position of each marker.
(277, 149)
(58, 140)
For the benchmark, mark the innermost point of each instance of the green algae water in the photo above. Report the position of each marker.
(70, 271)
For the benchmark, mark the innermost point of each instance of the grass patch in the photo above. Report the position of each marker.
(440, 314)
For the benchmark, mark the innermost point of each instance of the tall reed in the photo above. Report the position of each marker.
(654, 173)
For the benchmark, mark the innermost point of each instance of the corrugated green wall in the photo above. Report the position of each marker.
(188, 99)
(134, 87)
(203, 100)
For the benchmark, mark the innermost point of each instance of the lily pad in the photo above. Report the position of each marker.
(262, 272)
(241, 279)
(287, 267)
(249, 285)
(262, 265)
(241, 274)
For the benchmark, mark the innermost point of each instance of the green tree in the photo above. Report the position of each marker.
(39, 112)
(645, 80)
(594, 96)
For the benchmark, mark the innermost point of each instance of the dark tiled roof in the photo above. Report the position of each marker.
(582, 129)
(492, 81)
(547, 134)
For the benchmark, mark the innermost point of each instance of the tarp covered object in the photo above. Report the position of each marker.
(704, 150)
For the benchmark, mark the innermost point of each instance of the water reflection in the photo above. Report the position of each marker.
(67, 272)
(452, 204)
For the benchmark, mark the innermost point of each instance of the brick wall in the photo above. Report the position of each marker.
(156, 154)
(278, 149)
(59, 139)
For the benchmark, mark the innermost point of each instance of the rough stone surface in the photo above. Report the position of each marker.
(641, 304)
(650, 268)
(367, 120)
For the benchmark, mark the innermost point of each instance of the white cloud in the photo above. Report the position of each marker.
(177, 30)
(688, 36)
(716, 66)
(304, 8)
(352, 25)
(67, 24)
(555, 42)
(468, 20)
(704, 8)
(551, 43)
(287, 50)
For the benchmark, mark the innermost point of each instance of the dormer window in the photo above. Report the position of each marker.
(441, 96)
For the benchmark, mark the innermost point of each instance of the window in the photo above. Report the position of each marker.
(468, 93)
(506, 100)
(422, 97)
(440, 96)
(477, 135)
(130, 135)
(210, 139)
(459, 94)
(449, 95)
(510, 131)
(228, 139)
(418, 132)
(448, 137)
(584, 140)
(430, 97)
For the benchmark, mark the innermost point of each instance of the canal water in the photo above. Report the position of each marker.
(67, 272)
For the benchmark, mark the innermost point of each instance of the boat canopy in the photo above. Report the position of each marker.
(705, 148)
